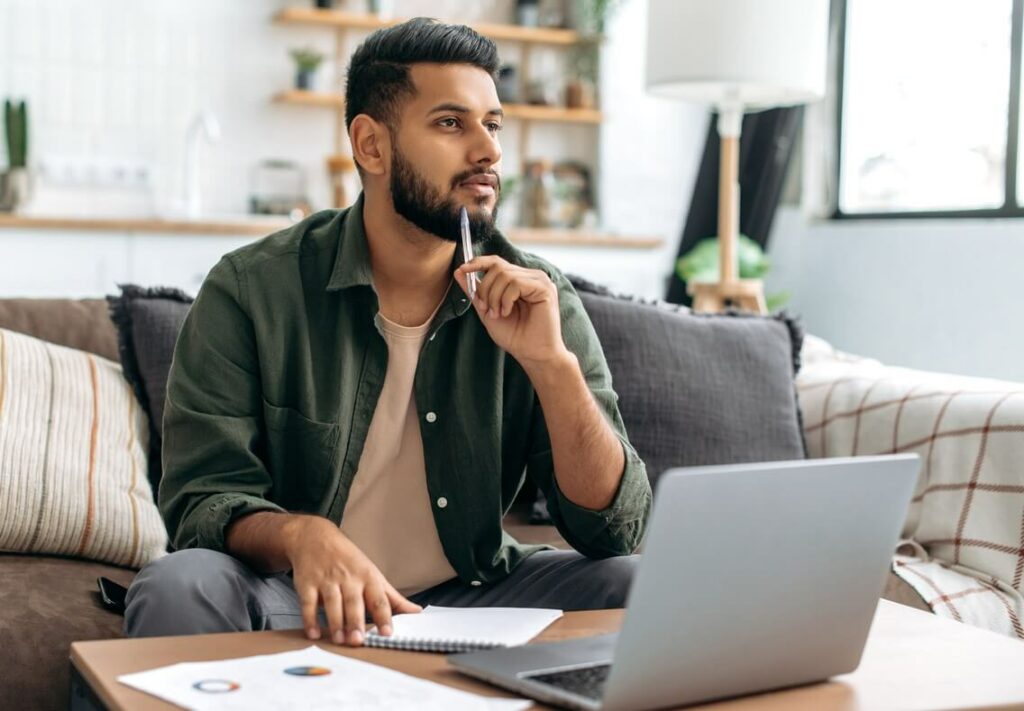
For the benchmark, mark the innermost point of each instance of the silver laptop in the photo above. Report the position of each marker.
(753, 577)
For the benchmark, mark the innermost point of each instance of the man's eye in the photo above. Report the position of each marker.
(494, 127)
(448, 123)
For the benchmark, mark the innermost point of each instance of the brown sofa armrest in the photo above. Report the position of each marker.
(76, 323)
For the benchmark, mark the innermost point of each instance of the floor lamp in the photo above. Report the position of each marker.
(737, 56)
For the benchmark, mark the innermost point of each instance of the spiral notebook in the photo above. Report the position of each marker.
(463, 629)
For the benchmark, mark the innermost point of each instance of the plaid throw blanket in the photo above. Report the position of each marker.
(964, 533)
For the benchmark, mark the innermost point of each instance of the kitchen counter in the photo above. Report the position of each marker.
(89, 256)
(254, 225)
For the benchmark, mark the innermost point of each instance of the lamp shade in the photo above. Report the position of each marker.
(743, 54)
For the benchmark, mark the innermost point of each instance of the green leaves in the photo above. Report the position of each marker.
(16, 127)
(701, 262)
(306, 58)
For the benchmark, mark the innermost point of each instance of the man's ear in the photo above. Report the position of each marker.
(371, 144)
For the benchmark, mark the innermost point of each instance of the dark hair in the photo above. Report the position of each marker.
(378, 73)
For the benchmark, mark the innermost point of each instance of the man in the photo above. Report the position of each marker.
(338, 408)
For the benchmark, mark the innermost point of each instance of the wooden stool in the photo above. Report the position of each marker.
(713, 297)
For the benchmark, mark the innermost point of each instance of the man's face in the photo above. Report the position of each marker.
(445, 155)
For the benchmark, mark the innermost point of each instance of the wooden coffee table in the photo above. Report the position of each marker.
(913, 660)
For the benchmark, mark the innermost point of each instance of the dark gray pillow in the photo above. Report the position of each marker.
(699, 388)
(148, 322)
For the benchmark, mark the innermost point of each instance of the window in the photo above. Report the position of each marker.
(929, 108)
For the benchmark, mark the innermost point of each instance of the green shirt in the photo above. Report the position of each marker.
(277, 372)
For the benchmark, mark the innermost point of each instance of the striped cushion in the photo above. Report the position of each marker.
(73, 445)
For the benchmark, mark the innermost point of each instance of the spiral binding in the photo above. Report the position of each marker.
(444, 646)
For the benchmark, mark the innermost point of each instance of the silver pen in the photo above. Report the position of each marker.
(467, 250)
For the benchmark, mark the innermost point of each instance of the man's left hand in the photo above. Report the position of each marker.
(519, 309)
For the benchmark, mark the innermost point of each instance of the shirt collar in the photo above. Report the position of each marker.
(352, 263)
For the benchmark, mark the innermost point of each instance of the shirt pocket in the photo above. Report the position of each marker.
(301, 456)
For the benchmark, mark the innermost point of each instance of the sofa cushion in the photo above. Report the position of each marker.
(82, 324)
(72, 457)
(699, 389)
(46, 603)
(148, 322)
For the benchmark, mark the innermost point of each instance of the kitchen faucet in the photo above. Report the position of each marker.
(203, 124)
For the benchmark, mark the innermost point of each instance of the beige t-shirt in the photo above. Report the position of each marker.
(388, 513)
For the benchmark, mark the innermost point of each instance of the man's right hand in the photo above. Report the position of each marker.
(330, 571)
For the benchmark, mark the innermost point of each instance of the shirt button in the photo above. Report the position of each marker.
(431, 417)
(475, 583)
(442, 502)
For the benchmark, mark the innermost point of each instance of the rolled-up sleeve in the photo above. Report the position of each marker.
(213, 422)
(619, 528)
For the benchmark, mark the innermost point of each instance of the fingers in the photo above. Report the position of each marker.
(490, 291)
(505, 292)
(399, 604)
(355, 615)
(482, 264)
(508, 299)
(379, 607)
(506, 288)
(308, 598)
(461, 279)
(478, 264)
(331, 595)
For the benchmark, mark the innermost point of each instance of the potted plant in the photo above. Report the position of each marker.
(527, 13)
(307, 60)
(14, 182)
(382, 8)
(590, 19)
(581, 89)
(592, 15)
(700, 264)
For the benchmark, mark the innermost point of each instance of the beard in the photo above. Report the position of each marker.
(433, 212)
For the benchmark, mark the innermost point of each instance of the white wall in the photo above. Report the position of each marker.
(650, 149)
(118, 80)
(940, 295)
(114, 80)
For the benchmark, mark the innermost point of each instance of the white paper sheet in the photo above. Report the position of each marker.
(501, 626)
(262, 683)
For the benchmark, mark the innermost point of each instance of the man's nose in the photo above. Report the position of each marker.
(485, 149)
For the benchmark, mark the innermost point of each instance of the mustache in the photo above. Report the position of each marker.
(466, 175)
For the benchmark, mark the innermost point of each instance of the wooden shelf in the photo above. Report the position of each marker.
(327, 99)
(340, 163)
(249, 225)
(535, 35)
(365, 21)
(259, 226)
(578, 238)
(529, 112)
(524, 112)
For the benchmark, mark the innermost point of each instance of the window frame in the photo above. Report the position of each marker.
(1011, 207)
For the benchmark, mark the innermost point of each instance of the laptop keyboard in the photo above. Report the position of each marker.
(587, 682)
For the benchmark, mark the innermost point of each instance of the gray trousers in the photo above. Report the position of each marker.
(199, 591)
